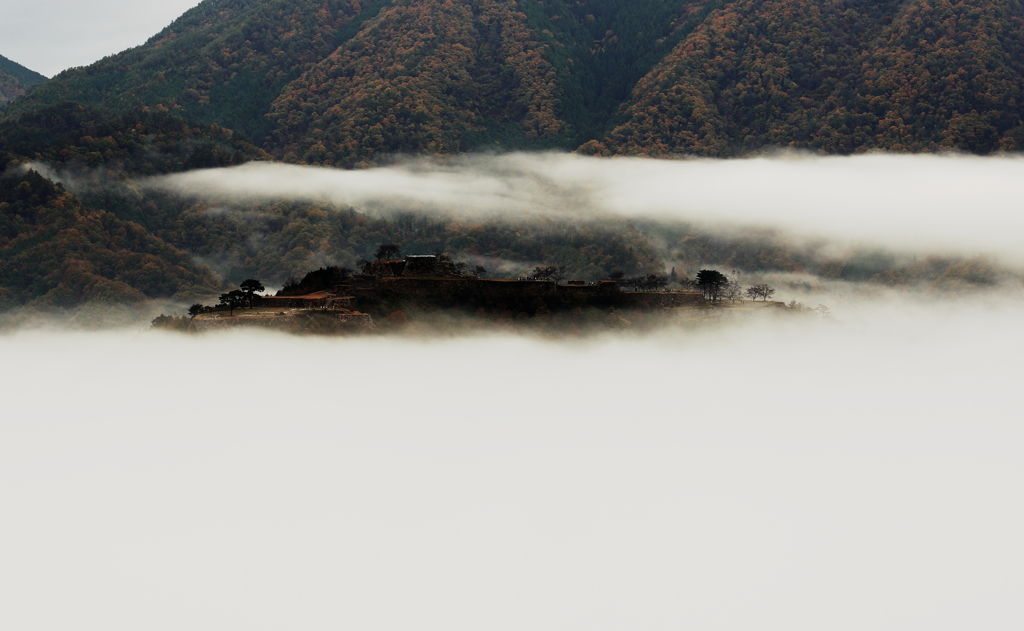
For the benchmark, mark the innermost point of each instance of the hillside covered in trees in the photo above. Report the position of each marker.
(61, 249)
(15, 80)
(346, 82)
(79, 224)
(837, 78)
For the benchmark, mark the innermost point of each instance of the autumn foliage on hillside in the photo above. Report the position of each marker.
(141, 141)
(223, 61)
(15, 80)
(420, 78)
(344, 82)
(10, 88)
(836, 78)
(57, 253)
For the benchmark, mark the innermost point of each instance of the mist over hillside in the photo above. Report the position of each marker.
(916, 204)
(428, 98)
(811, 227)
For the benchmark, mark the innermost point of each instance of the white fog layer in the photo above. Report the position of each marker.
(924, 204)
(858, 476)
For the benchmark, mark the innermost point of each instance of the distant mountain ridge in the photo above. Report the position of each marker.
(15, 79)
(343, 82)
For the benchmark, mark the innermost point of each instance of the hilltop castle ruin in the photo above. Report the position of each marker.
(436, 280)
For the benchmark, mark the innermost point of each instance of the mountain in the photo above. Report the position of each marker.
(434, 76)
(92, 240)
(423, 77)
(57, 253)
(81, 225)
(15, 79)
(139, 142)
(344, 82)
(78, 225)
(223, 61)
(837, 78)
(347, 82)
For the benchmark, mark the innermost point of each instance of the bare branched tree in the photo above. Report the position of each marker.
(649, 282)
(549, 272)
(761, 290)
(731, 291)
(388, 252)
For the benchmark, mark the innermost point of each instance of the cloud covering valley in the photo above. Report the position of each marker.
(920, 204)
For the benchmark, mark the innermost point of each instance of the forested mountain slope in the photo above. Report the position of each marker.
(836, 77)
(343, 82)
(61, 248)
(56, 252)
(82, 223)
(363, 77)
(15, 79)
(423, 77)
(223, 61)
(79, 225)
(139, 142)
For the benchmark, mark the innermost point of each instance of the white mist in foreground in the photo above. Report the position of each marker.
(912, 203)
(852, 477)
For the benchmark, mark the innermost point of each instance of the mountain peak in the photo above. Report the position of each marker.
(15, 79)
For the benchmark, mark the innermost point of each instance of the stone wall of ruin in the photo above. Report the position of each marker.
(662, 300)
(221, 324)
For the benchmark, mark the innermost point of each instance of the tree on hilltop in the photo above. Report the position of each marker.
(761, 290)
(732, 291)
(711, 283)
(388, 252)
(250, 287)
(548, 272)
(232, 299)
(649, 282)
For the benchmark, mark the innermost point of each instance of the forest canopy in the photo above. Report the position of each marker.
(347, 83)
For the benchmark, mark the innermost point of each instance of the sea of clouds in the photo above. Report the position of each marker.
(773, 474)
(784, 472)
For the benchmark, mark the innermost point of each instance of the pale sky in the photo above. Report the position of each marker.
(49, 36)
